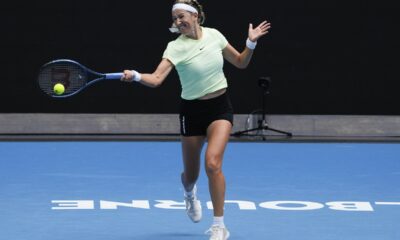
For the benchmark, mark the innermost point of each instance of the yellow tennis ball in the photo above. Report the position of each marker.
(59, 89)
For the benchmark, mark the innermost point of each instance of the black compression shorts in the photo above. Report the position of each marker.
(196, 115)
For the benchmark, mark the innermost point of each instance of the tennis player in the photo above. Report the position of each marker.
(206, 112)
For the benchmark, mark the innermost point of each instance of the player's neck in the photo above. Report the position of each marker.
(196, 34)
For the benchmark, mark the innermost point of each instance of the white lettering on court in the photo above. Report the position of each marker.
(350, 206)
(291, 205)
(143, 204)
(73, 204)
(354, 206)
(168, 204)
(243, 205)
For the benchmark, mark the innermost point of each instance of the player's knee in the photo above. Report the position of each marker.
(213, 164)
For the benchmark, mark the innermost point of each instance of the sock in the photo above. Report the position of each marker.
(191, 193)
(219, 221)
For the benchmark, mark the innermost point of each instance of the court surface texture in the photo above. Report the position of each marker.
(125, 190)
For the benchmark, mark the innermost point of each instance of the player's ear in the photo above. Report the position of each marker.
(196, 15)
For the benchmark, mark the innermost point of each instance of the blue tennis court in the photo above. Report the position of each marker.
(126, 190)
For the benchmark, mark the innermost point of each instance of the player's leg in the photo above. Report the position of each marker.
(191, 151)
(218, 135)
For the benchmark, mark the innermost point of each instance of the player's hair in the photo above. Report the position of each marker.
(198, 6)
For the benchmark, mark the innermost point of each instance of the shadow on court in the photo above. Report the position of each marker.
(172, 236)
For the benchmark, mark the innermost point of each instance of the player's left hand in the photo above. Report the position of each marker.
(259, 31)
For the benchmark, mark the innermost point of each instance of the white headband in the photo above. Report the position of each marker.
(184, 6)
(181, 6)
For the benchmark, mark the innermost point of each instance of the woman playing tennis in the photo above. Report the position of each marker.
(205, 113)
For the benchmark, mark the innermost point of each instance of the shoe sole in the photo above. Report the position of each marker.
(193, 220)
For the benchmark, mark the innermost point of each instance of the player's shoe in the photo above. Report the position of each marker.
(218, 233)
(193, 206)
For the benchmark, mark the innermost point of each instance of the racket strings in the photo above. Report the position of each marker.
(73, 77)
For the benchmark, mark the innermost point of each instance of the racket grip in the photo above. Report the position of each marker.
(113, 76)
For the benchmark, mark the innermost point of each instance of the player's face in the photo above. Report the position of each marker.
(185, 21)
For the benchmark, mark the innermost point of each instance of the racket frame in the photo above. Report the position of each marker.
(97, 76)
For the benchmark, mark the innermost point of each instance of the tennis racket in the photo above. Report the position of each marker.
(74, 76)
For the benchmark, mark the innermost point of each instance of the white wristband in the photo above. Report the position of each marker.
(251, 45)
(136, 76)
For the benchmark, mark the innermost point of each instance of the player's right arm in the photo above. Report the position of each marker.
(154, 79)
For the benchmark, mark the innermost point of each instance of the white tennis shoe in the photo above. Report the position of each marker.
(193, 206)
(217, 232)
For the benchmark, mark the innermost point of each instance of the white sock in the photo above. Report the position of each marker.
(190, 194)
(219, 221)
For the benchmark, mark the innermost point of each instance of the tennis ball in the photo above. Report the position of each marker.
(59, 89)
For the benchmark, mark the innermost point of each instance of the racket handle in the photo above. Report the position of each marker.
(113, 76)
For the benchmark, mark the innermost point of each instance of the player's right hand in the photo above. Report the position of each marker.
(127, 76)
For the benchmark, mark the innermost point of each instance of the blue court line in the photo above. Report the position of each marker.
(32, 174)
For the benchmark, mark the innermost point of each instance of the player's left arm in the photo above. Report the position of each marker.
(242, 60)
